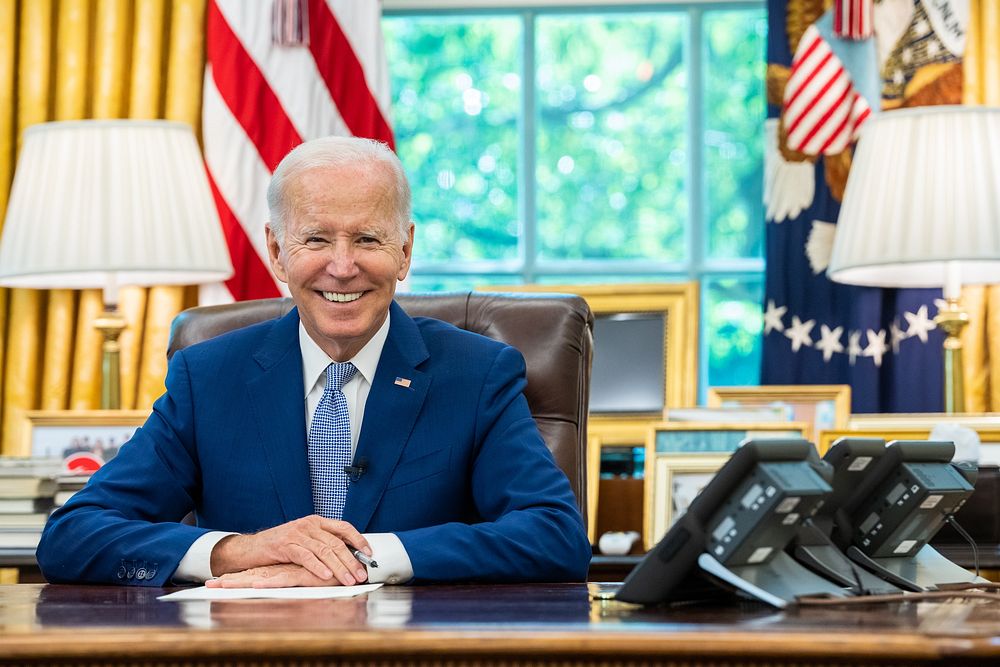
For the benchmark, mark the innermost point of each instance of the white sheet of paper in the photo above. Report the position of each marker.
(300, 593)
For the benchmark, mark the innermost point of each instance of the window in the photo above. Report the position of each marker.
(589, 144)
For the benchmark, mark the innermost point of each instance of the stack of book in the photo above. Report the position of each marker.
(27, 487)
(67, 484)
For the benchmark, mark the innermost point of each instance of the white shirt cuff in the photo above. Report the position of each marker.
(393, 562)
(196, 565)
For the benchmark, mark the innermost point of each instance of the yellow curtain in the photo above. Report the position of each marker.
(71, 59)
(981, 339)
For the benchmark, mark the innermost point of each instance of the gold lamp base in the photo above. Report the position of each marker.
(952, 319)
(110, 323)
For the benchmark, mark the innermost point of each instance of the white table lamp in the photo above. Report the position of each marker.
(109, 203)
(922, 209)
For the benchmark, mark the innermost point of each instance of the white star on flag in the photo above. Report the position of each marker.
(798, 333)
(829, 341)
(919, 324)
(876, 346)
(772, 317)
(854, 346)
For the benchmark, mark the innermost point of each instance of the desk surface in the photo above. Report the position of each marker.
(488, 624)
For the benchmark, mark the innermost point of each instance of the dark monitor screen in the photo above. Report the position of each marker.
(628, 371)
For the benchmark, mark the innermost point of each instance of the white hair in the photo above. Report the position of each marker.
(337, 152)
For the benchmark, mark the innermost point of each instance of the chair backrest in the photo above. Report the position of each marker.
(554, 332)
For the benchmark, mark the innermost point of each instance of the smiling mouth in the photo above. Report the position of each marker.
(342, 297)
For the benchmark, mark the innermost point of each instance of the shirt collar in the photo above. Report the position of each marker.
(315, 360)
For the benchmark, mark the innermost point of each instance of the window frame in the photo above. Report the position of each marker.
(527, 267)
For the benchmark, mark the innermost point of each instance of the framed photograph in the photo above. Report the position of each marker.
(608, 432)
(928, 420)
(645, 345)
(679, 478)
(823, 406)
(695, 441)
(83, 439)
(989, 436)
(986, 424)
(827, 438)
(714, 437)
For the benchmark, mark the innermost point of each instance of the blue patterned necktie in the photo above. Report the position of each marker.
(330, 443)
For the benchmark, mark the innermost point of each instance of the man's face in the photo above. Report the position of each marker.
(341, 255)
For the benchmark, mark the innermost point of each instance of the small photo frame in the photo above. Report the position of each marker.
(989, 437)
(715, 437)
(683, 443)
(823, 406)
(83, 439)
(606, 432)
(985, 424)
(679, 478)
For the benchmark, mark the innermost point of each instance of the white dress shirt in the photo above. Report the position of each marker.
(393, 562)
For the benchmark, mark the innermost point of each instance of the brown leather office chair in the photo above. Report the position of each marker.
(553, 332)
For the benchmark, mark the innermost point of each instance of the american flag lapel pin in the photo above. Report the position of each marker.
(403, 382)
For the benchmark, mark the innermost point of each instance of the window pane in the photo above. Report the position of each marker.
(456, 99)
(611, 148)
(734, 101)
(605, 279)
(732, 330)
(452, 283)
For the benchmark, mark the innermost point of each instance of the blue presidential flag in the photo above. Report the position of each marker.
(883, 342)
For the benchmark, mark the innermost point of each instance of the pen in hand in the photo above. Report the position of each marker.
(365, 560)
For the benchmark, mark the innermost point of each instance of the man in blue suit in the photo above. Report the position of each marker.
(446, 475)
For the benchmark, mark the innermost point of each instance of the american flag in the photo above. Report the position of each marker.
(852, 19)
(822, 110)
(280, 72)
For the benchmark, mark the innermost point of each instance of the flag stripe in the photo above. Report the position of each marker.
(821, 121)
(838, 137)
(344, 77)
(852, 19)
(304, 96)
(821, 110)
(802, 84)
(836, 78)
(253, 280)
(246, 92)
(366, 44)
(236, 166)
(263, 96)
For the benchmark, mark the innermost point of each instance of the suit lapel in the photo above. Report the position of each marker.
(274, 390)
(390, 414)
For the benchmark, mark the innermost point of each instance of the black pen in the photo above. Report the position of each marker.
(365, 560)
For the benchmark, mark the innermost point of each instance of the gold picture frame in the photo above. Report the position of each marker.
(986, 424)
(874, 422)
(678, 478)
(824, 406)
(988, 435)
(59, 433)
(723, 438)
(677, 302)
(608, 432)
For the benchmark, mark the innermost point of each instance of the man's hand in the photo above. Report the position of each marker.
(271, 576)
(318, 546)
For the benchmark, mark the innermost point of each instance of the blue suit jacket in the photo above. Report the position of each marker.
(455, 464)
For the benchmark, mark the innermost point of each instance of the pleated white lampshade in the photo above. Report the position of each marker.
(922, 204)
(105, 203)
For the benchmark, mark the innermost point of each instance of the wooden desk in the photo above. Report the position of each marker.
(495, 625)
